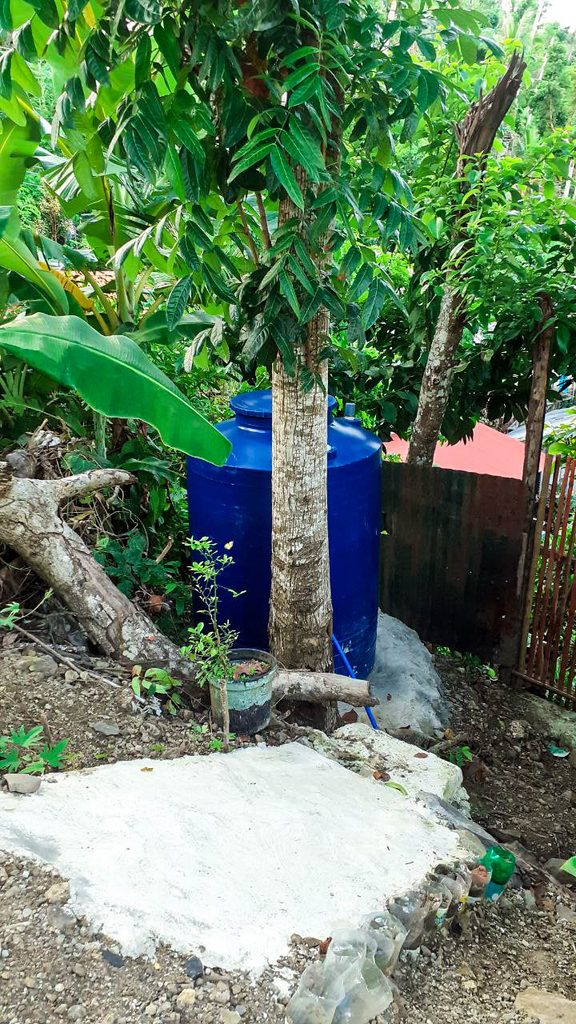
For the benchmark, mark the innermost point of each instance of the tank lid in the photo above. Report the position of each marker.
(258, 404)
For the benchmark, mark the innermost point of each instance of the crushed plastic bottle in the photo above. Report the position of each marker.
(411, 910)
(346, 988)
(389, 935)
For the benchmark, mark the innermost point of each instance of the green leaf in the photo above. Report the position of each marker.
(285, 176)
(361, 281)
(287, 289)
(142, 60)
(310, 306)
(115, 377)
(177, 301)
(300, 75)
(6, 22)
(253, 159)
(147, 12)
(374, 303)
(16, 256)
(216, 282)
(46, 11)
(426, 48)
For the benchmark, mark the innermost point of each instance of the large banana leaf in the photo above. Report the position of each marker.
(115, 377)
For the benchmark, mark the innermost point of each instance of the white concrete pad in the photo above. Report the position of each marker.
(226, 856)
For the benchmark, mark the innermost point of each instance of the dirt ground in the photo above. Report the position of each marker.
(519, 791)
(54, 968)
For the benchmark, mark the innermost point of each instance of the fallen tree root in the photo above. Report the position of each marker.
(31, 524)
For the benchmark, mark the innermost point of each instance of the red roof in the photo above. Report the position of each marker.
(489, 452)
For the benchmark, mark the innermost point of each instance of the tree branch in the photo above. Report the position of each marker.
(86, 483)
(246, 229)
(263, 221)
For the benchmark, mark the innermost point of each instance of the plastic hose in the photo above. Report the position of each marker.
(353, 675)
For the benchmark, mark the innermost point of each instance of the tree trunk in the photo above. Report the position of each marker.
(475, 134)
(31, 524)
(300, 602)
(435, 387)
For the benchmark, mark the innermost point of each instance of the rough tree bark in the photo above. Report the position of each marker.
(475, 135)
(300, 627)
(31, 524)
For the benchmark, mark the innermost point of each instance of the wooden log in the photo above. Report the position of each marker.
(322, 688)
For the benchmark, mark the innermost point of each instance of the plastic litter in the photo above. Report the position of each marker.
(347, 988)
(411, 910)
(389, 935)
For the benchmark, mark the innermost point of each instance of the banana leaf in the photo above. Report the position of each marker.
(115, 377)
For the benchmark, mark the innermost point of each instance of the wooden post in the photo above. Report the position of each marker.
(533, 450)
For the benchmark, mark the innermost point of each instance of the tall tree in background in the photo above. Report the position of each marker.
(475, 134)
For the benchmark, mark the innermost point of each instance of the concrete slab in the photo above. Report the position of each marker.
(227, 855)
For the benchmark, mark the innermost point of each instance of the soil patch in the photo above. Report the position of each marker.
(34, 690)
(519, 791)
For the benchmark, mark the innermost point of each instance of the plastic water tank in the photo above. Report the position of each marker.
(231, 504)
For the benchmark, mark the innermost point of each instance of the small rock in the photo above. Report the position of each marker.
(567, 796)
(59, 892)
(23, 784)
(194, 967)
(186, 998)
(230, 1017)
(70, 676)
(76, 1012)
(151, 1010)
(114, 959)
(566, 914)
(546, 1007)
(554, 866)
(43, 666)
(105, 728)
(221, 993)
(517, 729)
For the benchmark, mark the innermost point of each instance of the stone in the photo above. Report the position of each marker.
(221, 993)
(230, 1017)
(23, 784)
(114, 959)
(151, 1010)
(517, 729)
(59, 892)
(105, 728)
(566, 914)
(405, 681)
(44, 666)
(186, 998)
(360, 748)
(546, 1007)
(554, 866)
(76, 1012)
(194, 967)
(70, 676)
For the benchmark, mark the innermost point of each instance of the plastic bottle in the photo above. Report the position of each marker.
(502, 864)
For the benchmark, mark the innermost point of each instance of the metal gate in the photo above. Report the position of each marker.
(548, 648)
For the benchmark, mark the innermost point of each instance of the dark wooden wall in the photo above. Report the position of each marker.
(451, 546)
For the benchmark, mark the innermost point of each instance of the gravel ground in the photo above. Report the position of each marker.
(71, 704)
(54, 969)
(476, 978)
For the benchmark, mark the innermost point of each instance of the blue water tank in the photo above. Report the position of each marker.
(232, 503)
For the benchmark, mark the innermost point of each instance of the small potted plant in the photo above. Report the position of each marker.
(240, 679)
